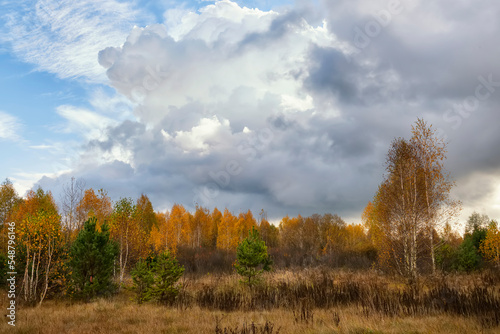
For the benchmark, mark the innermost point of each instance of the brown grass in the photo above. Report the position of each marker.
(307, 313)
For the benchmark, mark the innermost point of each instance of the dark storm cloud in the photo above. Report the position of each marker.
(332, 73)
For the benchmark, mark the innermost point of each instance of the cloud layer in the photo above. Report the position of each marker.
(293, 111)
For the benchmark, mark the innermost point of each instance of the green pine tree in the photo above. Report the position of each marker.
(468, 257)
(166, 271)
(143, 279)
(92, 261)
(251, 257)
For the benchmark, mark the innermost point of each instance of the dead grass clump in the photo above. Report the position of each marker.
(252, 328)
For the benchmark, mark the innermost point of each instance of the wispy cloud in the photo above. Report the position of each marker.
(64, 36)
(86, 123)
(10, 127)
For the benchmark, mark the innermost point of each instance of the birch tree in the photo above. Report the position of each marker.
(411, 201)
(39, 236)
(124, 231)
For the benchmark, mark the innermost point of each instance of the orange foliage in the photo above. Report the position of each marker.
(94, 205)
(178, 228)
(490, 246)
(226, 233)
(38, 227)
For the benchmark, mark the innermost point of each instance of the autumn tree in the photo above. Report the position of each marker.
(490, 246)
(126, 232)
(412, 199)
(440, 210)
(39, 236)
(269, 233)
(159, 233)
(216, 217)
(355, 239)
(476, 222)
(227, 236)
(8, 200)
(309, 240)
(290, 231)
(72, 194)
(379, 232)
(178, 228)
(300, 239)
(145, 214)
(245, 223)
(331, 233)
(290, 238)
(94, 205)
(201, 226)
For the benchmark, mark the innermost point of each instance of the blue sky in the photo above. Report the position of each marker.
(288, 106)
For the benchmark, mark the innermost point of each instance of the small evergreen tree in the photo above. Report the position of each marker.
(251, 257)
(92, 261)
(446, 257)
(468, 257)
(166, 272)
(143, 279)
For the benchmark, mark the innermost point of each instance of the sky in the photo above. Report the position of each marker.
(286, 106)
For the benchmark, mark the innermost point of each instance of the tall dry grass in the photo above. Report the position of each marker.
(307, 301)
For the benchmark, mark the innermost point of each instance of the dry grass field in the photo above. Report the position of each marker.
(286, 302)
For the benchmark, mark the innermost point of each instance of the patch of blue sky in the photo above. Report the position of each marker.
(33, 96)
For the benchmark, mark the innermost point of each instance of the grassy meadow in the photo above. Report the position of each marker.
(303, 301)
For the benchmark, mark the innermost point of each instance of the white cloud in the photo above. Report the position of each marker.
(224, 20)
(23, 182)
(86, 123)
(297, 103)
(10, 127)
(41, 147)
(114, 105)
(63, 37)
(209, 132)
(225, 54)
